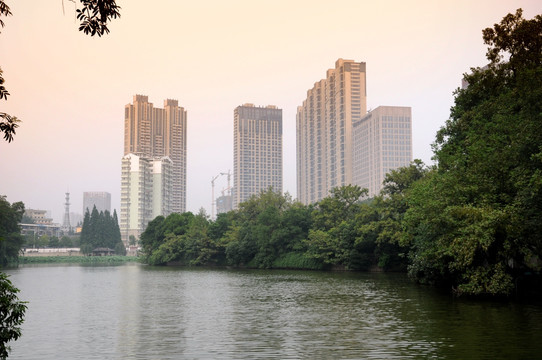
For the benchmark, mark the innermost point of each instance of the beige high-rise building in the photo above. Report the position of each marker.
(382, 142)
(151, 133)
(156, 132)
(257, 151)
(324, 130)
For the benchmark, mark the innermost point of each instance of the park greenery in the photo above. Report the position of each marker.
(101, 230)
(75, 259)
(11, 239)
(472, 222)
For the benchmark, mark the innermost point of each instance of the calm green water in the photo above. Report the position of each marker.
(139, 312)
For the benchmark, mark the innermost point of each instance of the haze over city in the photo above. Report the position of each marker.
(70, 89)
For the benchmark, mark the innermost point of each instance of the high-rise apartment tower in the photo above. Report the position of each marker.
(324, 130)
(257, 151)
(382, 142)
(152, 134)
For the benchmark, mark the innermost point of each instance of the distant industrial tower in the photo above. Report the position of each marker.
(257, 146)
(66, 222)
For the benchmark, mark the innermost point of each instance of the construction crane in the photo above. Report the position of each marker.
(213, 195)
(228, 189)
(228, 174)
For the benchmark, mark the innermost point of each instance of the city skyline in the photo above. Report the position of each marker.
(71, 134)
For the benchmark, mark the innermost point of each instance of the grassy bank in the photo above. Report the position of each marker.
(76, 259)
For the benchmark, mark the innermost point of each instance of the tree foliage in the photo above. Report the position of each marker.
(476, 221)
(96, 14)
(12, 312)
(101, 230)
(11, 239)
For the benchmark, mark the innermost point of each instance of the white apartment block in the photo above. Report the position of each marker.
(382, 142)
(257, 151)
(145, 192)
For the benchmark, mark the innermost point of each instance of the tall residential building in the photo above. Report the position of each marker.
(382, 142)
(324, 130)
(155, 147)
(257, 151)
(155, 132)
(100, 199)
(145, 192)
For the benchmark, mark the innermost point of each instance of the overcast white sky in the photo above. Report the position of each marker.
(70, 89)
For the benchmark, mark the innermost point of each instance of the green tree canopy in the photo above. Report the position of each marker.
(11, 239)
(12, 312)
(477, 220)
(101, 230)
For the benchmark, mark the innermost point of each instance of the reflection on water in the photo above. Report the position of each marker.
(140, 312)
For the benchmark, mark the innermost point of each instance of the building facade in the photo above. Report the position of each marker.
(154, 148)
(145, 192)
(324, 130)
(382, 142)
(157, 132)
(38, 217)
(100, 199)
(257, 151)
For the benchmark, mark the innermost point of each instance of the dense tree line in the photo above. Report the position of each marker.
(101, 230)
(472, 222)
(11, 239)
(270, 230)
(31, 240)
(475, 222)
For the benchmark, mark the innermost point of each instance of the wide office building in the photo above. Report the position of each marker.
(257, 151)
(324, 130)
(100, 199)
(382, 142)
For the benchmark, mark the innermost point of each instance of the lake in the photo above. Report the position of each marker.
(133, 311)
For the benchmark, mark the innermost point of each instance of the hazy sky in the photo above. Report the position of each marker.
(70, 89)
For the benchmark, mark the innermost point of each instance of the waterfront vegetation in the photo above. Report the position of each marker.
(472, 222)
(101, 230)
(115, 259)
